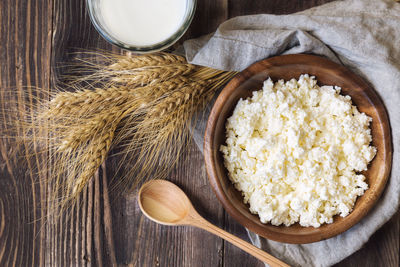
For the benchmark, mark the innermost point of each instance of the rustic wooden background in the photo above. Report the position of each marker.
(36, 37)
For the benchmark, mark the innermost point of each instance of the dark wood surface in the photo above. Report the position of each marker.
(36, 37)
(286, 67)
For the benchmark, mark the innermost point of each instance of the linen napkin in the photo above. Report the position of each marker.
(363, 35)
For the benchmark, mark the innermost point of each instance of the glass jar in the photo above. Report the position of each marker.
(95, 11)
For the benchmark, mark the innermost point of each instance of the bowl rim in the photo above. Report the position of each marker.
(211, 167)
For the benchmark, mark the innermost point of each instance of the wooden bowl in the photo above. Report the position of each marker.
(327, 73)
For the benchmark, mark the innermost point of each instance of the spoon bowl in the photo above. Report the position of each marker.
(165, 203)
(173, 208)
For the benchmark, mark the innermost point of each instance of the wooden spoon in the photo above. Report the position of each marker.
(165, 203)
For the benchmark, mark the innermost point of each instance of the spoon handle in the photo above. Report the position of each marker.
(252, 250)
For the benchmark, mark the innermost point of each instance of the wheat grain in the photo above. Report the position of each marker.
(159, 59)
(82, 133)
(151, 74)
(179, 97)
(98, 152)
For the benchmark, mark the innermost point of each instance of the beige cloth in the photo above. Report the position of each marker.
(362, 35)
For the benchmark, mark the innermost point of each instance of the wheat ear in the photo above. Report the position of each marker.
(98, 151)
(151, 75)
(158, 59)
(143, 104)
(79, 102)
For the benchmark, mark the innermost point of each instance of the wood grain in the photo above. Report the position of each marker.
(143, 242)
(25, 35)
(238, 8)
(37, 37)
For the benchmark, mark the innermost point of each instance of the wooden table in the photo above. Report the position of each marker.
(108, 229)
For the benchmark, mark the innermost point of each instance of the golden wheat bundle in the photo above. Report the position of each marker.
(142, 105)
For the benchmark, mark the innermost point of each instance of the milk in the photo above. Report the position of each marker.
(142, 22)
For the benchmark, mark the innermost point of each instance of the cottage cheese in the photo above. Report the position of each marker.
(295, 151)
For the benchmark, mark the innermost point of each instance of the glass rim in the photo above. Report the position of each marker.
(191, 8)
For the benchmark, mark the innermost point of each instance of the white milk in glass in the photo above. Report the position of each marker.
(142, 22)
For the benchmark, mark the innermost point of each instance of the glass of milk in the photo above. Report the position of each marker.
(141, 25)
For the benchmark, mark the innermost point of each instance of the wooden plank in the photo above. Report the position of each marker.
(81, 237)
(209, 14)
(25, 35)
(238, 8)
(141, 242)
(232, 255)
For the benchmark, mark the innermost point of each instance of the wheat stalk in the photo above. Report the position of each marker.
(83, 101)
(142, 104)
